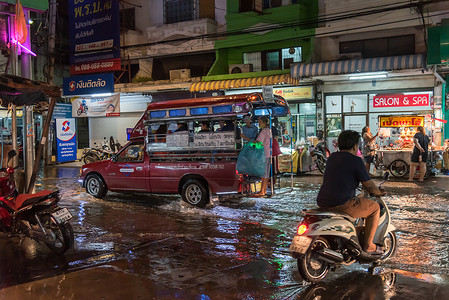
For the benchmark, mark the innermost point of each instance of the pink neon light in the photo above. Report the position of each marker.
(23, 47)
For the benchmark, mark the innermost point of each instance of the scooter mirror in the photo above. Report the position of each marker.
(11, 154)
(386, 175)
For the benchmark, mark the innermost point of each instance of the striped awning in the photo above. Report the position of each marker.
(374, 64)
(242, 83)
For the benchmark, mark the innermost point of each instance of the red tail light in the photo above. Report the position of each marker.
(301, 229)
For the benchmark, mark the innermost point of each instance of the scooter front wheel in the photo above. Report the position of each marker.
(310, 266)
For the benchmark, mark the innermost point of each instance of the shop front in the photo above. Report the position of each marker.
(356, 92)
(353, 111)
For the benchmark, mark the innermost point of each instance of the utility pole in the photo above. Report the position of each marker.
(28, 119)
(45, 141)
(51, 70)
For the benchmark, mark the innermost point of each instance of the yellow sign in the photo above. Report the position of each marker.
(294, 93)
(409, 121)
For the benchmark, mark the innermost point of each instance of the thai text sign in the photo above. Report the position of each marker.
(66, 139)
(401, 100)
(407, 121)
(94, 30)
(96, 106)
(215, 140)
(178, 139)
(88, 84)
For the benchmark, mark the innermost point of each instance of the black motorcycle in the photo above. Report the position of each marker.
(321, 153)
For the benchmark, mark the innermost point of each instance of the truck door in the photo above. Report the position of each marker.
(130, 171)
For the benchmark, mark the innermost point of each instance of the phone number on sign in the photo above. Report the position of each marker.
(94, 66)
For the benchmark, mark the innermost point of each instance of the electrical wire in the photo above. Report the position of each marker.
(305, 22)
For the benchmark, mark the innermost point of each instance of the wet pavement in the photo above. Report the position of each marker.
(139, 246)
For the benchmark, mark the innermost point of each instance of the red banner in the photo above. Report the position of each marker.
(401, 100)
(96, 66)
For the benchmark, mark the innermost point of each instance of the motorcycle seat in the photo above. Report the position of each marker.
(329, 213)
(23, 200)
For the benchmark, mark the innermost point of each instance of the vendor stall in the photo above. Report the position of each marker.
(395, 146)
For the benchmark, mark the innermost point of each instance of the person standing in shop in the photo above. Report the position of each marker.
(368, 149)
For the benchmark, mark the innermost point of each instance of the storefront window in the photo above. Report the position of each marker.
(355, 103)
(333, 104)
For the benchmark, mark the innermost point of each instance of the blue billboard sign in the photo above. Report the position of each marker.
(88, 84)
(66, 139)
(62, 110)
(94, 29)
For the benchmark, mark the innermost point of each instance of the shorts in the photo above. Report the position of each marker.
(358, 207)
(415, 156)
(267, 173)
(369, 159)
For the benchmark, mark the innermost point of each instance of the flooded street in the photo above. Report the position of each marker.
(139, 246)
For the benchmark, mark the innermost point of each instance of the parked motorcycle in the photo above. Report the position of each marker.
(36, 216)
(105, 151)
(321, 153)
(327, 239)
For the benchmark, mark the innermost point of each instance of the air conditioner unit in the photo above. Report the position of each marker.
(180, 74)
(240, 68)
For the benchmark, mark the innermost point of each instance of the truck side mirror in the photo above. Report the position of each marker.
(114, 158)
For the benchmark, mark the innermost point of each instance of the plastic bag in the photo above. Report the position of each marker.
(251, 160)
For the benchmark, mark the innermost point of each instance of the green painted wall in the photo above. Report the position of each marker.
(296, 28)
(33, 4)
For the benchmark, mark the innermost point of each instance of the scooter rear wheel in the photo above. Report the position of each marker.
(389, 245)
(63, 234)
(311, 268)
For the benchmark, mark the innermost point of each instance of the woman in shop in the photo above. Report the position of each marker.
(369, 145)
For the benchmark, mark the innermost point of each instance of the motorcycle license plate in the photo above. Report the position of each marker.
(62, 215)
(256, 187)
(300, 244)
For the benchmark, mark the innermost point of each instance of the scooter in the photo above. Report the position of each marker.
(104, 152)
(326, 240)
(321, 153)
(36, 216)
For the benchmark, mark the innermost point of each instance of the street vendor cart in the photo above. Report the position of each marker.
(395, 146)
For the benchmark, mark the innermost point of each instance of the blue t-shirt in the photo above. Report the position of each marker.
(343, 174)
(250, 132)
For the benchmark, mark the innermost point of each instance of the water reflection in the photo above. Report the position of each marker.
(355, 285)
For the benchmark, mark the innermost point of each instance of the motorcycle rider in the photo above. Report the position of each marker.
(343, 174)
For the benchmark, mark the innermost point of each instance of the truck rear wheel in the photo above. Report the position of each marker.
(195, 193)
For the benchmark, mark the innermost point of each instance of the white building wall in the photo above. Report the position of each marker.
(104, 127)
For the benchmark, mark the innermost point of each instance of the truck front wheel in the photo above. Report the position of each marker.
(95, 186)
(195, 193)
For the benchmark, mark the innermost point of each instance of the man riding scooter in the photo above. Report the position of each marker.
(343, 174)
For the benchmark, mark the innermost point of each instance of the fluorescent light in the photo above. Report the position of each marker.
(368, 75)
(101, 95)
(23, 47)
